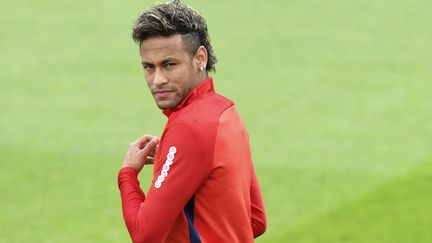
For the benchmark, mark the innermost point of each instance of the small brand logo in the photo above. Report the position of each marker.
(165, 168)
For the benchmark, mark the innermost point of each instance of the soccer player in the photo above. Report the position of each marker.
(204, 187)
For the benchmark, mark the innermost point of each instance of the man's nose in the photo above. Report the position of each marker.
(159, 77)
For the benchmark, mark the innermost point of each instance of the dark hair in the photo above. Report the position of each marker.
(166, 19)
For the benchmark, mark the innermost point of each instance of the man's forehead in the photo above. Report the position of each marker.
(163, 44)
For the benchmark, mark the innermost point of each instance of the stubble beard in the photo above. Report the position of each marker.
(179, 97)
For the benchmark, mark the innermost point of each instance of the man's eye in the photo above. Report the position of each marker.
(170, 64)
(147, 67)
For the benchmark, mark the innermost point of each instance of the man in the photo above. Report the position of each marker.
(204, 187)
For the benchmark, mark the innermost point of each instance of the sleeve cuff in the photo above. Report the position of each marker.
(128, 170)
(127, 174)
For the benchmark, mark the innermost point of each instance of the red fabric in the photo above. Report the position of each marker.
(203, 155)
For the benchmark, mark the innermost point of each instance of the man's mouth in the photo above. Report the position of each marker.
(162, 93)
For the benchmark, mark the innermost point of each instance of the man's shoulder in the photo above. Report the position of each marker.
(200, 118)
(207, 109)
(215, 102)
(198, 122)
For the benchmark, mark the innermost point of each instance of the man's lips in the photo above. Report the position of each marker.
(162, 93)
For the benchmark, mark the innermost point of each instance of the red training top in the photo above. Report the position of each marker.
(204, 187)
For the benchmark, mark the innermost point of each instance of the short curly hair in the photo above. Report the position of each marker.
(167, 19)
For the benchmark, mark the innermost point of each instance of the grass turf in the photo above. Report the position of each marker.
(335, 94)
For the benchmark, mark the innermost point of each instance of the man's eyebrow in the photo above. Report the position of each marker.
(146, 63)
(165, 61)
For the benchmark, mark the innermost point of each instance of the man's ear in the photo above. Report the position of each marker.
(201, 58)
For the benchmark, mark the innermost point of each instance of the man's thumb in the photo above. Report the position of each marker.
(150, 146)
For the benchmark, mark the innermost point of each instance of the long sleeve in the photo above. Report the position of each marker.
(131, 195)
(258, 217)
(182, 165)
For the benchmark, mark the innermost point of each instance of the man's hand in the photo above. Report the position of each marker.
(141, 152)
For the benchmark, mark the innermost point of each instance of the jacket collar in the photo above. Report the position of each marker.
(205, 87)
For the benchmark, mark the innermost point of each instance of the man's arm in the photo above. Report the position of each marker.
(184, 163)
(258, 217)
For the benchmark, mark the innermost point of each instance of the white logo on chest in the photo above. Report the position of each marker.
(165, 168)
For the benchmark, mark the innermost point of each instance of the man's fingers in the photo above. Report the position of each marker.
(142, 141)
(150, 160)
(150, 146)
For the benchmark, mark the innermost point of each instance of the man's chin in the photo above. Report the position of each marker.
(164, 105)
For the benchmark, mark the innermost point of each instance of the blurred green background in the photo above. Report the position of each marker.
(336, 95)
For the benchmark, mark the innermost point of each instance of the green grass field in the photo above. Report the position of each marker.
(336, 95)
